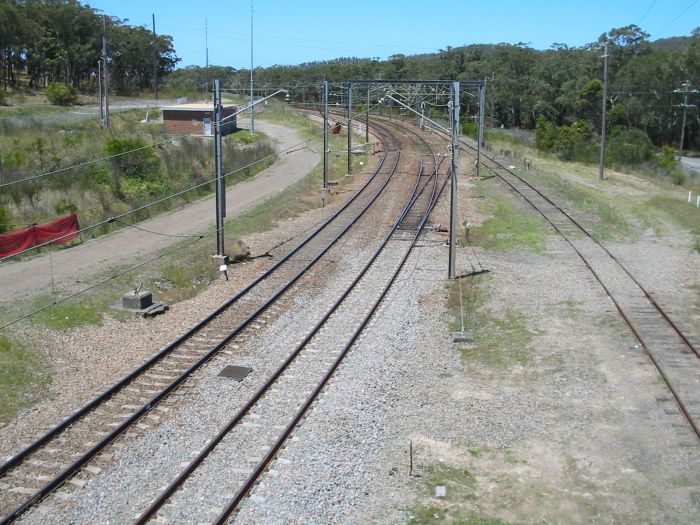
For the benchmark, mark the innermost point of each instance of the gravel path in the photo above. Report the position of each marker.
(23, 278)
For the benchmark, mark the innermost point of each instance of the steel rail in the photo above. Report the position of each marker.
(260, 468)
(174, 485)
(578, 225)
(676, 396)
(651, 299)
(14, 460)
(51, 485)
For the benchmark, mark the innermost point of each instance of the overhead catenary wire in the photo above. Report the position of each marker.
(166, 198)
(197, 238)
(93, 286)
(152, 203)
(169, 140)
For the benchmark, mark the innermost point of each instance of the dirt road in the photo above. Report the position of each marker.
(25, 278)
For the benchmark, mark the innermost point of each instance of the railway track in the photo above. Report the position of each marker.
(130, 406)
(672, 352)
(291, 390)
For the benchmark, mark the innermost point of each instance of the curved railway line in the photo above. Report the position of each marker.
(123, 405)
(273, 409)
(62, 453)
(320, 345)
(671, 351)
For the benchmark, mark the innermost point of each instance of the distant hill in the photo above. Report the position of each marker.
(671, 44)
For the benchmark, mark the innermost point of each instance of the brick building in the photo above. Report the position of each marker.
(197, 119)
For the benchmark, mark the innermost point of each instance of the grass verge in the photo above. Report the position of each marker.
(22, 376)
(680, 213)
(460, 485)
(509, 227)
(608, 221)
(499, 342)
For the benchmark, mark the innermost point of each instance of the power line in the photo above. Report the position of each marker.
(651, 6)
(676, 18)
(83, 164)
(156, 202)
(173, 195)
(196, 239)
(92, 287)
(169, 140)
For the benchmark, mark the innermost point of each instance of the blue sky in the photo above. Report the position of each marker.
(296, 31)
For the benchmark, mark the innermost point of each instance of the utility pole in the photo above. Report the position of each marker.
(99, 89)
(155, 57)
(325, 136)
(349, 174)
(252, 110)
(220, 258)
(105, 70)
(454, 121)
(604, 125)
(367, 116)
(685, 88)
(480, 136)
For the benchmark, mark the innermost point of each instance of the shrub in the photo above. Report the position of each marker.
(3, 95)
(61, 94)
(669, 166)
(65, 206)
(631, 146)
(470, 129)
(140, 165)
(4, 220)
(545, 134)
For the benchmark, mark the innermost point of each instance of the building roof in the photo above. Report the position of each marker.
(197, 106)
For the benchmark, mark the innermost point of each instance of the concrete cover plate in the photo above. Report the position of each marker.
(238, 373)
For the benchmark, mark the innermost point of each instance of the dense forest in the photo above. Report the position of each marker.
(561, 86)
(61, 41)
(556, 91)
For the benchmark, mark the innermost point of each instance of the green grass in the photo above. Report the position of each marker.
(182, 274)
(509, 227)
(286, 116)
(69, 314)
(39, 109)
(679, 212)
(296, 199)
(499, 342)
(176, 277)
(608, 221)
(22, 376)
(457, 506)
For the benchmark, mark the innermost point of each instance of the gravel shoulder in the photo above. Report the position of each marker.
(580, 430)
(25, 278)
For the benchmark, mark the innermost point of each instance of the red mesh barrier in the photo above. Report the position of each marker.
(59, 231)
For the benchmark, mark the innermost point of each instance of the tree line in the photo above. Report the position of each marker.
(561, 86)
(47, 41)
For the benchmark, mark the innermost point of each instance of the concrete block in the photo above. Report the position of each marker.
(220, 260)
(137, 300)
(462, 337)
